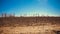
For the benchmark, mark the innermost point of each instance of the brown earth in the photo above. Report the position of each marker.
(29, 21)
(29, 25)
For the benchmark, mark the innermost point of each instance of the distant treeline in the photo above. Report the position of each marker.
(25, 15)
(7, 15)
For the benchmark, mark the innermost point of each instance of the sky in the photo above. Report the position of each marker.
(30, 7)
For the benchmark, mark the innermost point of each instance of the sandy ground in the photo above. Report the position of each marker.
(46, 29)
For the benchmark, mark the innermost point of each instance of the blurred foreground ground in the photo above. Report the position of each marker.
(30, 25)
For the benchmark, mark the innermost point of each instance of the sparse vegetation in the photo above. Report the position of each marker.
(29, 21)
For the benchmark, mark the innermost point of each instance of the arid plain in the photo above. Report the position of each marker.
(29, 25)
